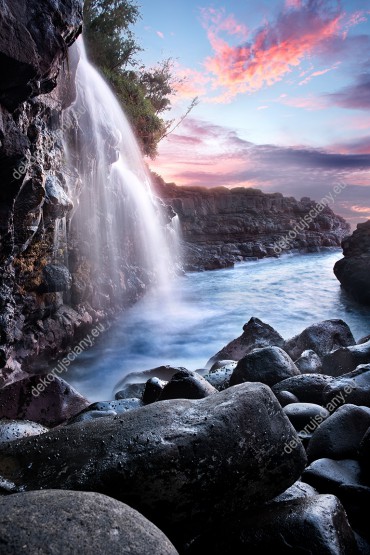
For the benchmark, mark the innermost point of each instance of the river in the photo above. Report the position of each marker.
(203, 311)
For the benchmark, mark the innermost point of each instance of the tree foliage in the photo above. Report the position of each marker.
(144, 93)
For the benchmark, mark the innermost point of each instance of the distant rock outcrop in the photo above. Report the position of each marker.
(353, 271)
(222, 226)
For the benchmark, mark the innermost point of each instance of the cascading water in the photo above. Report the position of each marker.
(116, 223)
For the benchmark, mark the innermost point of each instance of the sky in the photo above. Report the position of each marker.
(283, 89)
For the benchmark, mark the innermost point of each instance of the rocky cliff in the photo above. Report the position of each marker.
(34, 39)
(222, 226)
(51, 296)
(353, 271)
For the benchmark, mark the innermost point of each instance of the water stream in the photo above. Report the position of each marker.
(206, 310)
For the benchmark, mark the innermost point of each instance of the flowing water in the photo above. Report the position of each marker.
(206, 310)
(115, 223)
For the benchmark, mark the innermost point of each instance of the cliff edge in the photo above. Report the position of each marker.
(353, 271)
(222, 226)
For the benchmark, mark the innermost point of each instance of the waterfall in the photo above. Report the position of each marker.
(116, 225)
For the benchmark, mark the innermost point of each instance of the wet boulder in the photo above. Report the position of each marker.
(345, 479)
(182, 463)
(102, 409)
(152, 390)
(346, 359)
(131, 390)
(47, 400)
(268, 365)
(219, 376)
(286, 398)
(11, 430)
(304, 415)
(353, 273)
(220, 364)
(309, 363)
(316, 524)
(339, 437)
(299, 490)
(69, 522)
(256, 334)
(353, 388)
(308, 388)
(364, 454)
(322, 338)
(164, 372)
(186, 384)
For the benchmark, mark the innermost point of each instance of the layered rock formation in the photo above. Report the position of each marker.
(353, 271)
(34, 39)
(222, 226)
(50, 292)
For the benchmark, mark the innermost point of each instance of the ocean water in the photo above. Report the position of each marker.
(201, 312)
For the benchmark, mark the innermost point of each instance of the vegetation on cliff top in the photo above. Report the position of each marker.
(144, 93)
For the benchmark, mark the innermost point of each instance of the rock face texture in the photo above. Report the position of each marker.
(51, 294)
(353, 271)
(34, 39)
(67, 522)
(221, 226)
(179, 462)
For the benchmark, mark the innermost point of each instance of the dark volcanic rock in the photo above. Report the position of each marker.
(299, 490)
(309, 363)
(186, 385)
(364, 453)
(55, 278)
(343, 478)
(164, 373)
(219, 376)
(308, 388)
(322, 338)
(15, 429)
(353, 271)
(255, 334)
(131, 390)
(339, 437)
(174, 460)
(286, 398)
(346, 359)
(315, 525)
(353, 387)
(48, 403)
(70, 522)
(105, 408)
(34, 40)
(303, 414)
(152, 390)
(268, 365)
(222, 226)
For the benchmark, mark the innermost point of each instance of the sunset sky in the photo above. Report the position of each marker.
(284, 95)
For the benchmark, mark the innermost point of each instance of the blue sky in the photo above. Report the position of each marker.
(284, 95)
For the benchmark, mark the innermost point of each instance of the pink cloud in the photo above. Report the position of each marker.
(306, 103)
(274, 51)
(217, 19)
(190, 83)
(206, 154)
(160, 34)
(318, 73)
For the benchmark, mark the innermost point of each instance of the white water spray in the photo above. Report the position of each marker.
(116, 218)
